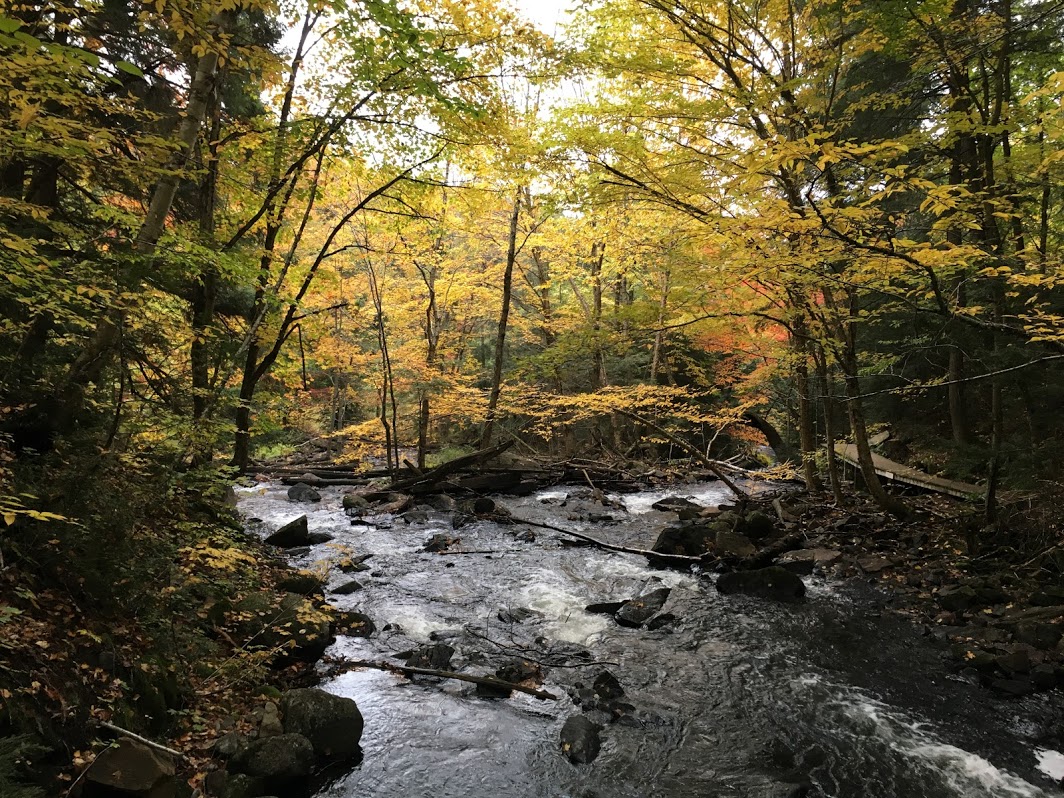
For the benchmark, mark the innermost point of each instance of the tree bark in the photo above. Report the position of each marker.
(504, 315)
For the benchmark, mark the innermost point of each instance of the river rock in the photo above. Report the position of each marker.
(347, 588)
(291, 622)
(436, 657)
(332, 724)
(131, 769)
(733, 543)
(519, 614)
(292, 534)
(439, 542)
(691, 538)
(282, 761)
(757, 525)
(873, 563)
(302, 492)
(354, 624)
(353, 502)
(773, 582)
(604, 607)
(803, 561)
(1039, 635)
(1018, 661)
(1047, 597)
(635, 612)
(607, 686)
(674, 504)
(580, 740)
(956, 598)
(415, 516)
(301, 582)
(317, 538)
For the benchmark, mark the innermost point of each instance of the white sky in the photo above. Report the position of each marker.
(545, 14)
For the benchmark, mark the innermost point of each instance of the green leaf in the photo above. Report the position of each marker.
(129, 68)
(8, 25)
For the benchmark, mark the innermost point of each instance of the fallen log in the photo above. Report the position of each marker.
(487, 681)
(438, 473)
(671, 560)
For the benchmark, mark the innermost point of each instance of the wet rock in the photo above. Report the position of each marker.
(332, 724)
(635, 612)
(1016, 687)
(691, 538)
(674, 504)
(604, 607)
(291, 623)
(415, 516)
(347, 588)
(663, 621)
(517, 615)
(292, 534)
(301, 492)
(607, 686)
(1044, 677)
(354, 624)
(873, 563)
(804, 561)
(1040, 635)
(1018, 661)
(580, 740)
(773, 582)
(757, 525)
(130, 769)
(301, 582)
(439, 543)
(436, 657)
(317, 538)
(441, 502)
(461, 519)
(298, 551)
(956, 598)
(520, 670)
(733, 543)
(525, 536)
(483, 506)
(282, 761)
(353, 502)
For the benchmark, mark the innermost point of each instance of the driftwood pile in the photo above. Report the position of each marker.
(482, 472)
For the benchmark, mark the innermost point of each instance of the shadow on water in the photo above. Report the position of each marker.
(836, 697)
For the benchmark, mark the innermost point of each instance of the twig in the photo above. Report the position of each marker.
(150, 743)
(488, 681)
(679, 559)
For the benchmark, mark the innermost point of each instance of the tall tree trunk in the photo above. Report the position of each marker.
(504, 316)
(827, 388)
(806, 408)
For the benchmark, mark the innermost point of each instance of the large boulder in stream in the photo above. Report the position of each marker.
(580, 740)
(732, 543)
(302, 492)
(636, 612)
(773, 582)
(333, 724)
(278, 763)
(291, 535)
(691, 538)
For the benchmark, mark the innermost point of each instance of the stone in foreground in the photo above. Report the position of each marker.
(773, 582)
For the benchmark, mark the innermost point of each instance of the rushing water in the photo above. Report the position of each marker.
(741, 697)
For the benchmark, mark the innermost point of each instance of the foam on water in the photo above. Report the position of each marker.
(1051, 763)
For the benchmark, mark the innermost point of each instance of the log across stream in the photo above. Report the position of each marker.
(733, 696)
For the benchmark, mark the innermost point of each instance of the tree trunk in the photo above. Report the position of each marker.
(504, 315)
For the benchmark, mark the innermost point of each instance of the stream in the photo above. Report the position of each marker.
(739, 697)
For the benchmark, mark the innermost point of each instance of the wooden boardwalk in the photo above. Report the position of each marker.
(896, 472)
